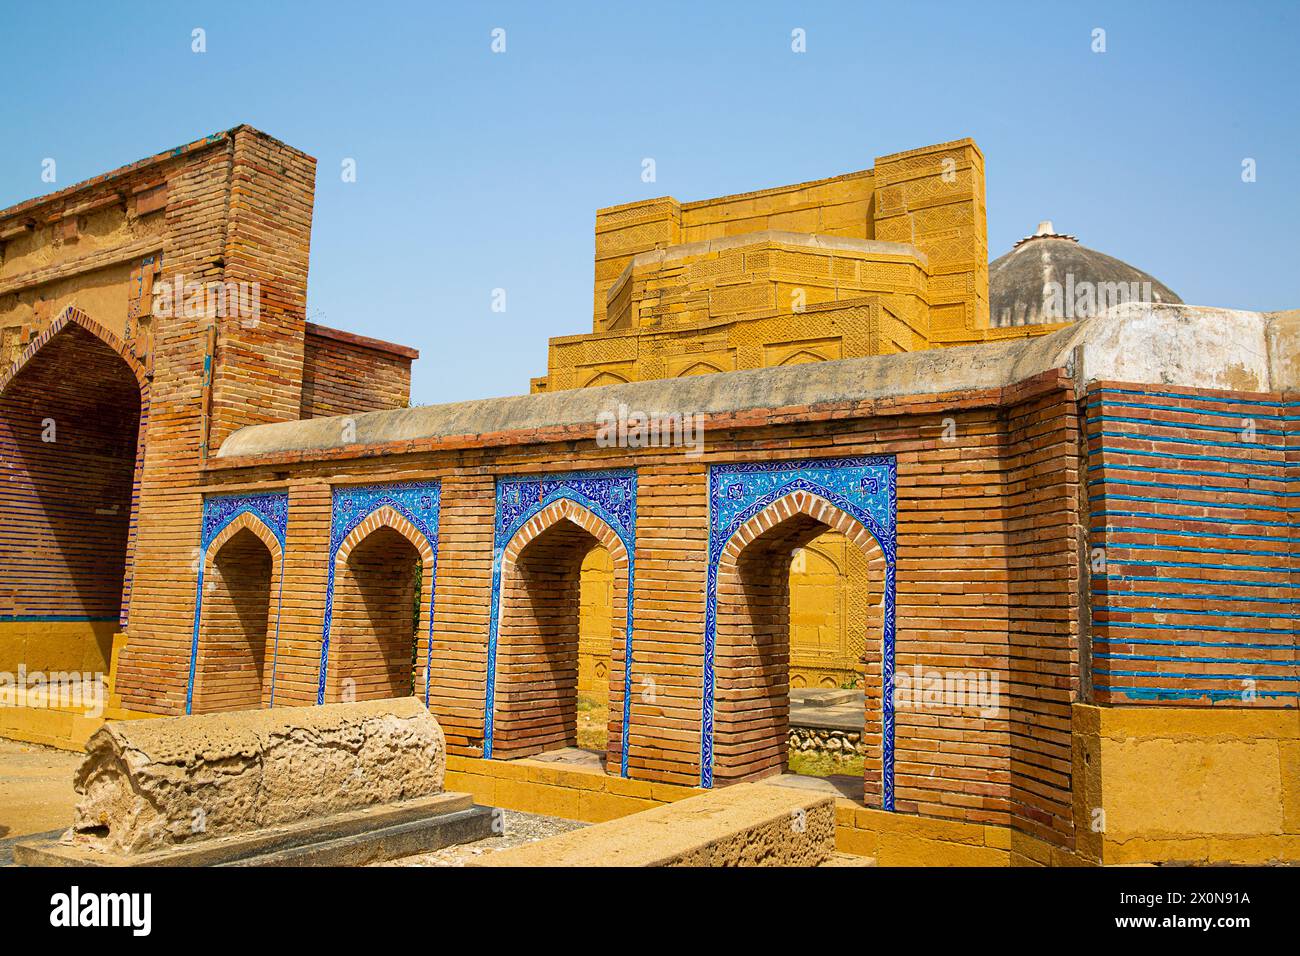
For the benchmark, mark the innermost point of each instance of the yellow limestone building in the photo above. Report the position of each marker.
(889, 259)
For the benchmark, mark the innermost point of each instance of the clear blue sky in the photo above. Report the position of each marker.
(478, 171)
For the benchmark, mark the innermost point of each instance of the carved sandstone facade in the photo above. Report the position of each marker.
(886, 260)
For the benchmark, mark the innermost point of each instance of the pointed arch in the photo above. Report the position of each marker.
(382, 601)
(535, 661)
(74, 316)
(802, 357)
(562, 510)
(385, 516)
(605, 378)
(751, 659)
(238, 616)
(699, 368)
(74, 410)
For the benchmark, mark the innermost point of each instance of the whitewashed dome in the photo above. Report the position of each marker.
(1049, 277)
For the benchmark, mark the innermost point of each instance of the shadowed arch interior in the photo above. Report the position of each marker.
(752, 651)
(232, 671)
(538, 641)
(69, 441)
(381, 600)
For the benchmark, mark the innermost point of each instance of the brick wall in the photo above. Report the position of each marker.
(1194, 556)
(1045, 538)
(988, 539)
(752, 661)
(345, 374)
(990, 580)
(229, 213)
(259, 358)
(375, 623)
(537, 650)
(69, 422)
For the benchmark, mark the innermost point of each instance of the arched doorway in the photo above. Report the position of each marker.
(539, 633)
(383, 583)
(752, 656)
(71, 412)
(233, 669)
(761, 517)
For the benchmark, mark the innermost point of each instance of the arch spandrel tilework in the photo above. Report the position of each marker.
(419, 504)
(864, 488)
(611, 497)
(271, 511)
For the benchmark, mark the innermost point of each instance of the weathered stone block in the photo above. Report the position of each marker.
(150, 784)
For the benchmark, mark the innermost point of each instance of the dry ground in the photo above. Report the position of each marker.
(36, 793)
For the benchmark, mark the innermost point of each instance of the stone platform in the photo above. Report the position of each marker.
(354, 838)
(743, 825)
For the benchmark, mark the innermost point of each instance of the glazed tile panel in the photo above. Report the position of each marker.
(863, 488)
(219, 511)
(610, 496)
(417, 502)
(1193, 536)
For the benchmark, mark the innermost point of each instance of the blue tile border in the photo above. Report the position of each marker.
(865, 488)
(417, 502)
(271, 509)
(610, 496)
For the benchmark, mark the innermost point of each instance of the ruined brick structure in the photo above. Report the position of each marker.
(1089, 516)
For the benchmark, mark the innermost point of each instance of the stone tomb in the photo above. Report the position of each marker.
(339, 784)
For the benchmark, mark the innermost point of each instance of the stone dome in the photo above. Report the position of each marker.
(1048, 277)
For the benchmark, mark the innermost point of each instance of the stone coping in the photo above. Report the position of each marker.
(1183, 346)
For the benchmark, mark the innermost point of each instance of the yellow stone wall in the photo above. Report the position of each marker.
(63, 646)
(596, 598)
(893, 839)
(834, 611)
(768, 273)
(42, 272)
(1187, 784)
(51, 646)
(685, 288)
(932, 198)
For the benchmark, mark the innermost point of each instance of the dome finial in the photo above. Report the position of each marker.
(1045, 230)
